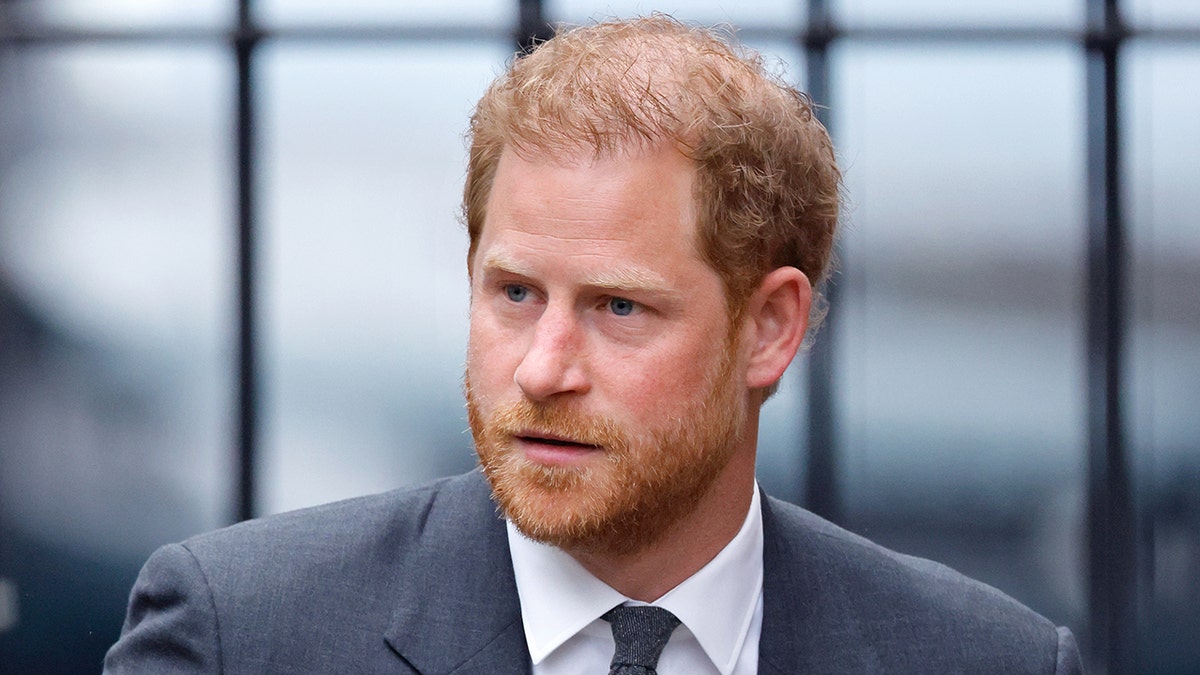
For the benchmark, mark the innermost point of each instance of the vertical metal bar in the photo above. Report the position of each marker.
(1111, 526)
(532, 27)
(245, 40)
(822, 494)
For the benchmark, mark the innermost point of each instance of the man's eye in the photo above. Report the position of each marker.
(516, 292)
(621, 306)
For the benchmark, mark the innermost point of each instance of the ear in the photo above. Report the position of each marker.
(774, 325)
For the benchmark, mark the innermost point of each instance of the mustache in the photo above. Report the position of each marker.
(527, 418)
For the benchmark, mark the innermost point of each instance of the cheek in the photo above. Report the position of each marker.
(656, 385)
(491, 356)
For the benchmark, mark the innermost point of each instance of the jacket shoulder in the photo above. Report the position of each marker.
(307, 536)
(852, 601)
(312, 590)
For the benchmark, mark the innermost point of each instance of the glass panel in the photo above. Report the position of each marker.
(960, 336)
(782, 58)
(777, 13)
(1164, 13)
(858, 13)
(115, 332)
(365, 292)
(1164, 360)
(781, 440)
(498, 13)
(122, 14)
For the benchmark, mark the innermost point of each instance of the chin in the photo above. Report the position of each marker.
(607, 509)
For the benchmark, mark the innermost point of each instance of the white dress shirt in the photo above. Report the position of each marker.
(720, 608)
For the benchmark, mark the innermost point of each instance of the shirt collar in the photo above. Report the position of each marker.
(559, 598)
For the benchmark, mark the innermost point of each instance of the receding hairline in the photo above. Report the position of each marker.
(655, 75)
(581, 154)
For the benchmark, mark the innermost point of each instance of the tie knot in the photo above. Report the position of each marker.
(640, 634)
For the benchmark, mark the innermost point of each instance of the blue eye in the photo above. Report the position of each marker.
(516, 292)
(621, 306)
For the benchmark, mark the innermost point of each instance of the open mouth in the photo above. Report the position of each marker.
(557, 442)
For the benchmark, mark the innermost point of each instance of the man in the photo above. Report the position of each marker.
(648, 212)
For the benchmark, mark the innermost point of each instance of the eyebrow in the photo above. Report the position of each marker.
(620, 278)
(501, 261)
(628, 279)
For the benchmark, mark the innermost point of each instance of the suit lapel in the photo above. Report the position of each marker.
(808, 625)
(779, 646)
(458, 609)
(457, 605)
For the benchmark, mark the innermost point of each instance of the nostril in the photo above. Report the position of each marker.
(553, 361)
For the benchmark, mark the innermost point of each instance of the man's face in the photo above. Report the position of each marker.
(603, 382)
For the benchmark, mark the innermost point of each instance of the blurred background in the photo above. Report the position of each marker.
(232, 283)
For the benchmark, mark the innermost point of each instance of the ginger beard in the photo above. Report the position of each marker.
(646, 481)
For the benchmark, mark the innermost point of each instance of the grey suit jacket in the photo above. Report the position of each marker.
(420, 581)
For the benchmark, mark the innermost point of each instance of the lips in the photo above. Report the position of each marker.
(555, 441)
(552, 450)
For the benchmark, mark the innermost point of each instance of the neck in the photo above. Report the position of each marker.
(685, 548)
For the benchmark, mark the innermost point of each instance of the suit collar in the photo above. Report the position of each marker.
(457, 605)
(808, 620)
(783, 603)
(458, 610)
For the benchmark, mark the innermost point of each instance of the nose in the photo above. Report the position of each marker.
(553, 363)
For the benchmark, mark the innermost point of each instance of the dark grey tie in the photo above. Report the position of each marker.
(640, 634)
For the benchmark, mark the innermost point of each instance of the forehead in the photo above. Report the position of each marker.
(577, 200)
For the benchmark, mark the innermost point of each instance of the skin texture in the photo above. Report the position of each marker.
(613, 400)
